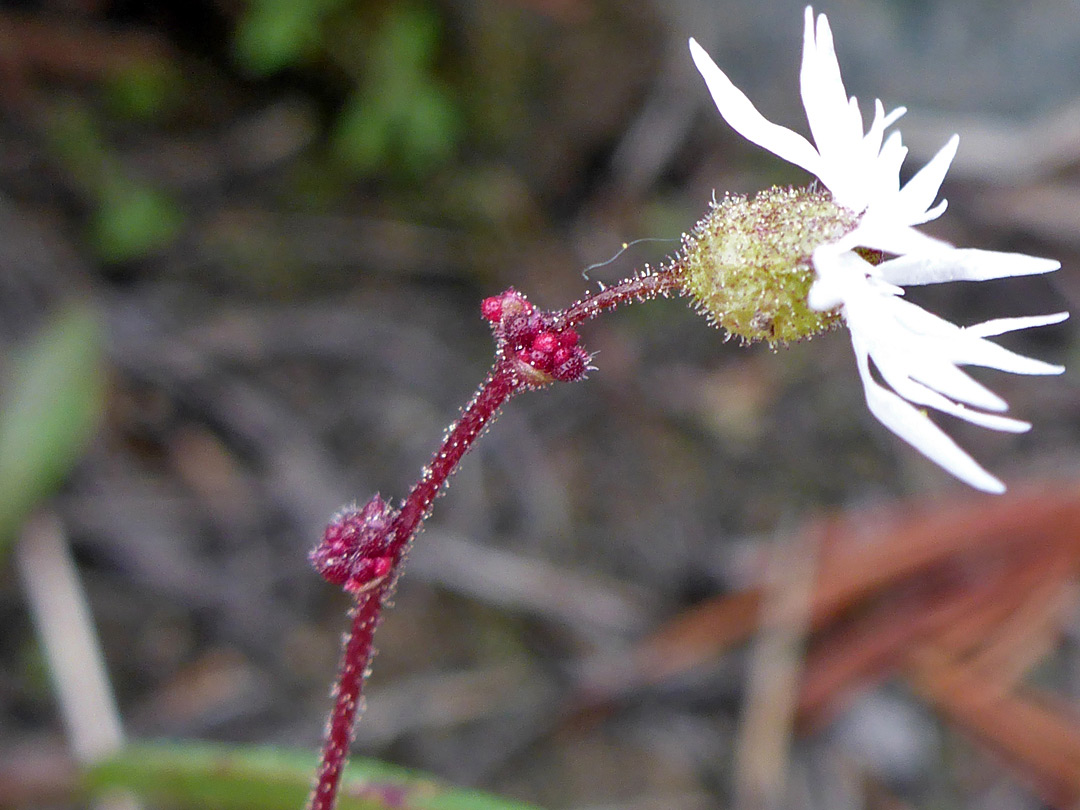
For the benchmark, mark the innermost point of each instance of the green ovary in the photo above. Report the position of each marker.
(747, 263)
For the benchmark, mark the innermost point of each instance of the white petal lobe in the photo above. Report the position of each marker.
(916, 429)
(961, 264)
(745, 119)
(1000, 326)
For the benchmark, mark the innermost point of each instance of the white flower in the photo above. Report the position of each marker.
(916, 354)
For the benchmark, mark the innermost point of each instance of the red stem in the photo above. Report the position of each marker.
(348, 696)
(643, 287)
(501, 384)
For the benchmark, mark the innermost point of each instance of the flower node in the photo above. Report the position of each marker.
(541, 351)
(355, 549)
(748, 263)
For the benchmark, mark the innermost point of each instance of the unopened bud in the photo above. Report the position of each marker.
(540, 350)
(491, 308)
(572, 369)
(355, 548)
(545, 342)
(748, 263)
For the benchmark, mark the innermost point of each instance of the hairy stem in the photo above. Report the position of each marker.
(643, 287)
(499, 386)
(348, 696)
(502, 383)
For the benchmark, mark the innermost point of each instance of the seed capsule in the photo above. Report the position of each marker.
(748, 264)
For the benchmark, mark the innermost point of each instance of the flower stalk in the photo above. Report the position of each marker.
(348, 696)
(363, 549)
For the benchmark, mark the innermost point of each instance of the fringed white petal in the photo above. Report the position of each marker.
(879, 232)
(918, 355)
(975, 351)
(919, 394)
(1000, 326)
(916, 428)
(961, 347)
(744, 118)
(824, 97)
(961, 264)
(919, 193)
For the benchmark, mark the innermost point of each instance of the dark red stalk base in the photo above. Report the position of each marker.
(348, 697)
(500, 385)
(363, 549)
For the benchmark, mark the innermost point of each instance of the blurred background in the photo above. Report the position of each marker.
(245, 244)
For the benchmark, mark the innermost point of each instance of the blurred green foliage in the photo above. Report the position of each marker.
(400, 116)
(50, 405)
(129, 218)
(277, 34)
(132, 220)
(397, 118)
(210, 776)
(143, 92)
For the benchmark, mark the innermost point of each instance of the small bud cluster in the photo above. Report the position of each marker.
(748, 263)
(355, 550)
(541, 351)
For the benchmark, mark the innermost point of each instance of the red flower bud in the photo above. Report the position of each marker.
(539, 360)
(545, 342)
(572, 369)
(492, 308)
(519, 328)
(353, 550)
